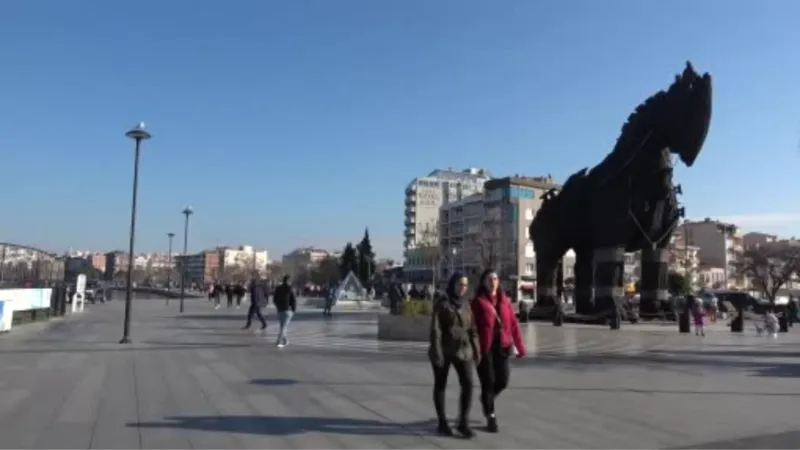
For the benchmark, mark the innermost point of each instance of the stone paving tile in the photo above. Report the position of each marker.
(196, 381)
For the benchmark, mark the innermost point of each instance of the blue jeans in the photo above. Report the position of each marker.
(284, 318)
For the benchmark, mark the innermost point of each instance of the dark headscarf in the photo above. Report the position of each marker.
(480, 290)
(452, 295)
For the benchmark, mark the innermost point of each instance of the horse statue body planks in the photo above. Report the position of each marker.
(626, 203)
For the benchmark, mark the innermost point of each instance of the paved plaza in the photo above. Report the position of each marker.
(197, 381)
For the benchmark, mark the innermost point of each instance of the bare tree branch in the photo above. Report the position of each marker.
(770, 267)
(427, 247)
(487, 242)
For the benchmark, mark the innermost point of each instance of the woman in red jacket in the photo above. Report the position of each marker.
(498, 333)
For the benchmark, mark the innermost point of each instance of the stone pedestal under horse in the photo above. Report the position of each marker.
(626, 203)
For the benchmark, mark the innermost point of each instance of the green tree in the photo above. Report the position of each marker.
(366, 259)
(349, 260)
(326, 272)
(678, 284)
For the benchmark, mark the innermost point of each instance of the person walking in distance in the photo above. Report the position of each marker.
(453, 342)
(239, 292)
(229, 294)
(217, 294)
(286, 304)
(498, 335)
(257, 299)
(330, 300)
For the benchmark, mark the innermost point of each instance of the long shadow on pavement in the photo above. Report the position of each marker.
(273, 382)
(288, 426)
(653, 359)
(113, 347)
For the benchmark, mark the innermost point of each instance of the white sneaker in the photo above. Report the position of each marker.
(216, 307)
(281, 345)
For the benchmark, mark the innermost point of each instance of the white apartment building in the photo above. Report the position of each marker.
(755, 239)
(244, 257)
(302, 259)
(423, 198)
(720, 245)
(492, 230)
(710, 277)
(684, 258)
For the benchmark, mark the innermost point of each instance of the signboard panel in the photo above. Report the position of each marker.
(80, 284)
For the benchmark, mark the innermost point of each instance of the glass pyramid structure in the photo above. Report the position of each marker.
(350, 288)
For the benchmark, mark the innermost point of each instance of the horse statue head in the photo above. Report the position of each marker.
(687, 114)
(676, 119)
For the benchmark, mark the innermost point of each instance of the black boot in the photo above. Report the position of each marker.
(444, 428)
(465, 430)
(491, 424)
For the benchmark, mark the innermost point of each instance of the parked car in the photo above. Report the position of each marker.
(748, 302)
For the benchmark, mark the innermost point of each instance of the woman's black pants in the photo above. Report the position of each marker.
(494, 371)
(465, 378)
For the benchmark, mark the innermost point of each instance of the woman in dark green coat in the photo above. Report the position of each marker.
(453, 342)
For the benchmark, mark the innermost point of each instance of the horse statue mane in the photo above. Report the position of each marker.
(634, 133)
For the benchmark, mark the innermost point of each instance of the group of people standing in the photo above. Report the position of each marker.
(478, 334)
(230, 291)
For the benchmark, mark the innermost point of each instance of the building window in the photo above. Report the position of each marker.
(529, 253)
(529, 269)
(520, 192)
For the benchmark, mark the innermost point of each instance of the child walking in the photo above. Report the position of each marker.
(699, 315)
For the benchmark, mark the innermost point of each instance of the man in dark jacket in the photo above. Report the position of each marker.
(396, 297)
(229, 294)
(239, 292)
(286, 304)
(257, 299)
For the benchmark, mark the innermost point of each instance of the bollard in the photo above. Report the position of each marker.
(783, 322)
(524, 312)
(63, 300)
(737, 324)
(54, 301)
(558, 315)
(684, 322)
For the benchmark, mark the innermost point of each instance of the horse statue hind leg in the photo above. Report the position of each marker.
(584, 281)
(548, 265)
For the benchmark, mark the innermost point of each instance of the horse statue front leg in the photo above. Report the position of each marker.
(546, 288)
(653, 285)
(609, 293)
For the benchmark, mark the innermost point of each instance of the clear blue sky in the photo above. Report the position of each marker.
(300, 122)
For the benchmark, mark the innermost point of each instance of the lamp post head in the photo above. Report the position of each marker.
(187, 211)
(138, 133)
(171, 235)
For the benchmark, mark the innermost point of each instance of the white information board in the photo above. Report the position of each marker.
(80, 294)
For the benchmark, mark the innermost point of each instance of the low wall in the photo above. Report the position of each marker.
(23, 305)
(404, 328)
(319, 303)
(174, 293)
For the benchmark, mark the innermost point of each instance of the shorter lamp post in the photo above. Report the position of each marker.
(186, 212)
(169, 264)
(453, 261)
(138, 134)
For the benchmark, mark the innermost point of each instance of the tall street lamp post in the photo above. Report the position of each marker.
(138, 134)
(169, 264)
(186, 212)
